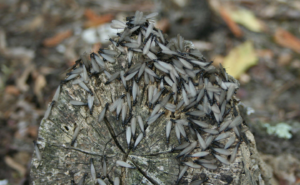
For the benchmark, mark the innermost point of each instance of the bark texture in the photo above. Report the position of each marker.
(154, 159)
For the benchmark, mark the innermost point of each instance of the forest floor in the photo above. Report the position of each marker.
(258, 42)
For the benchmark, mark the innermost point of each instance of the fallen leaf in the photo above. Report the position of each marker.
(21, 81)
(247, 19)
(286, 39)
(40, 83)
(96, 47)
(218, 59)
(14, 165)
(90, 14)
(95, 20)
(32, 131)
(58, 38)
(230, 23)
(34, 24)
(240, 59)
(10, 89)
(163, 25)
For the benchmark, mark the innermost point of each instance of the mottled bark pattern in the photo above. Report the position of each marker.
(153, 157)
(154, 160)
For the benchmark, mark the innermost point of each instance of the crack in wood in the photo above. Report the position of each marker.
(157, 154)
(96, 130)
(113, 135)
(79, 150)
(145, 174)
(106, 145)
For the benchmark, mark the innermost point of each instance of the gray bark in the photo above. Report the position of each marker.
(155, 162)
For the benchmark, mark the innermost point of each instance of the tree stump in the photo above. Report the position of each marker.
(156, 159)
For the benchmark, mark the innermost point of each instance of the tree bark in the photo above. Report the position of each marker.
(154, 159)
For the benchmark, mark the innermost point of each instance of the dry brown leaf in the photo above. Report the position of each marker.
(32, 131)
(35, 23)
(218, 59)
(21, 81)
(90, 14)
(102, 20)
(163, 25)
(96, 20)
(10, 89)
(96, 47)
(286, 39)
(40, 83)
(230, 23)
(58, 38)
(14, 165)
